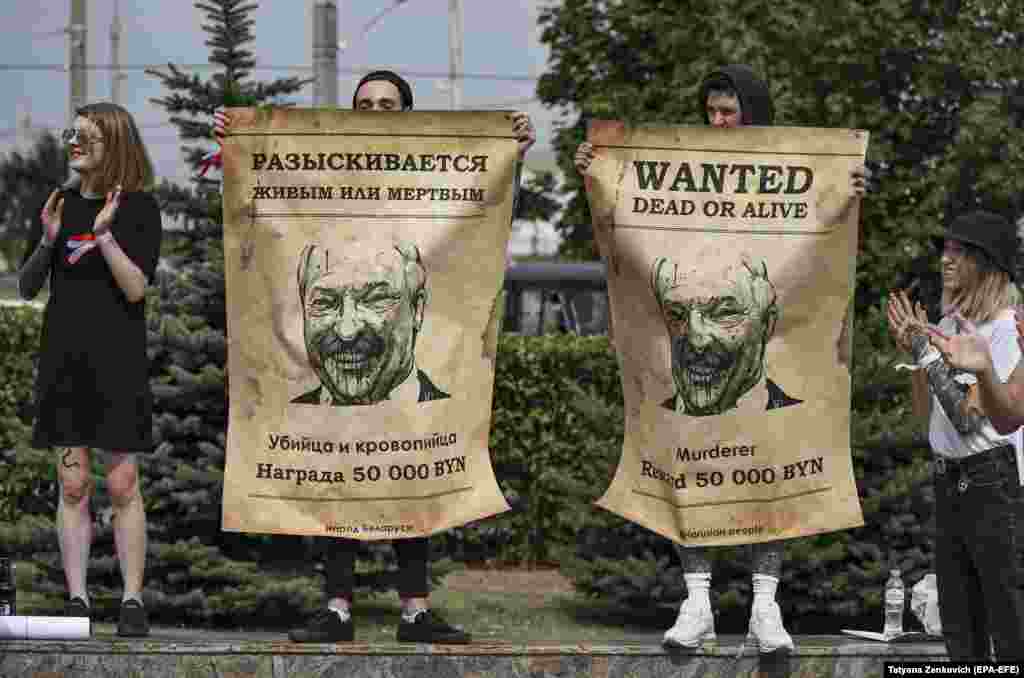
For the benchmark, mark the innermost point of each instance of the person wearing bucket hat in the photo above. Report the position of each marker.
(976, 466)
(989, 232)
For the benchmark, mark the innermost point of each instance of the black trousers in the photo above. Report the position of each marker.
(978, 556)
(412, 554)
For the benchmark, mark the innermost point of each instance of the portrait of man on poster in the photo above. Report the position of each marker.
(361, 318)
(719, 324)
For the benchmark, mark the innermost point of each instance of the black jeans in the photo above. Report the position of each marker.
(978, 557)
(412, 567)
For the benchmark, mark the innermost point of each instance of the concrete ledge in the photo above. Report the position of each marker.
(165, 656)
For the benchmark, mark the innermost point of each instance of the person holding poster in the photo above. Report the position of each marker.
(719, 320)
(976, 467)
(100, 247)
(378, 365)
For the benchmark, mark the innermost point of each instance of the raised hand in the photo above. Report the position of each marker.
(584, 156)
(967, 351)
(859, 179)
(522, 127)
(221, 123)
(51, 216)
(905, 318)
(106, 216)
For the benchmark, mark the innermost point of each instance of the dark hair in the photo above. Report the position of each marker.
(404, 90)
(720, 85)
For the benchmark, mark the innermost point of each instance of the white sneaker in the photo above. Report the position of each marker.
(694, 625)
(766, 628)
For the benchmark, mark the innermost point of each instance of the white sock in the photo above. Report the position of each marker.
(342, 612)
(410, 614)
(698, 584)
(131, 596)
(764, 588)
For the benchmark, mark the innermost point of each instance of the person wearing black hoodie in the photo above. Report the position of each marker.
(732, 96)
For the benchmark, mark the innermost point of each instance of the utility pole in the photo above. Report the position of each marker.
(455, 53)
(325, 53)
(115, 55)
(77, 34)
(23, 130)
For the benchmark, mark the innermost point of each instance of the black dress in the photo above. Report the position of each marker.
(92, 388)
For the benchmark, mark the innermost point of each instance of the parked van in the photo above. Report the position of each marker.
(547, 297)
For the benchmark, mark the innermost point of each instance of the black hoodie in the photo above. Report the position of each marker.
(755, 99)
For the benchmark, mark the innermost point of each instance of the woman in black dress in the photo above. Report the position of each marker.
(100, 245)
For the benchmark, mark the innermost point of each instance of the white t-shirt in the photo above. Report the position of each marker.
(945, 440)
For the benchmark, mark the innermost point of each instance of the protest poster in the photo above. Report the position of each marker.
(364, 257)
(731, 263)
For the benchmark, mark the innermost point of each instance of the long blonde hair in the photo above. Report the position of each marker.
(985, 289)
(125, 160)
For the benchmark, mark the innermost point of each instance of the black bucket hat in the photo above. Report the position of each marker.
(989, 232)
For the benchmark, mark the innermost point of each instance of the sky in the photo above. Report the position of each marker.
(501, 38)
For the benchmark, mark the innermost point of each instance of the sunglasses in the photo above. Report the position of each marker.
(73, 135)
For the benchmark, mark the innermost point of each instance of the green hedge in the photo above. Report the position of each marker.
(550, 458)
(555, 441)
(830, 581)
(27, 478)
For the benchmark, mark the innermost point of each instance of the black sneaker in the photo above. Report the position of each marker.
(428, 627)
(76, 607)
(325, 627)
(133, 622)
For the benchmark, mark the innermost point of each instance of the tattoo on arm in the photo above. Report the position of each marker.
(73, 463)
(952, 396)
(33, 274)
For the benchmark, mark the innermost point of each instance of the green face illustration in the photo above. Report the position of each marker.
(361, 319)
(718, 325)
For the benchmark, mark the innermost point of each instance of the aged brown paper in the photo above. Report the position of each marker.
(731, 258)
(363, 256)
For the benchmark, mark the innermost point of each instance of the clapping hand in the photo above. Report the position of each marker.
(1018, 315)
(51, 216)
(905, 318)
(106, 216)
(967, 351)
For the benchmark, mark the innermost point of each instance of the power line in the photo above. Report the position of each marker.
(267, 67)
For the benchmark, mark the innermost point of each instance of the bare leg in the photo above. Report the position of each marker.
(74, 521)
(129, 521)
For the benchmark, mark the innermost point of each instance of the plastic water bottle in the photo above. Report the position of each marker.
(8, 608)
(894, 599)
